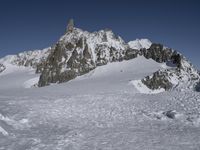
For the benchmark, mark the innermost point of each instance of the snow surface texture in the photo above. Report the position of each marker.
(100, 110)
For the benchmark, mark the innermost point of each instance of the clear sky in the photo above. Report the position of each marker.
(36, 24)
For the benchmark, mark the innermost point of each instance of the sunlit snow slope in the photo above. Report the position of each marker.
(101, 110)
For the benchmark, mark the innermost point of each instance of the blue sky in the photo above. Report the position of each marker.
(36, 24)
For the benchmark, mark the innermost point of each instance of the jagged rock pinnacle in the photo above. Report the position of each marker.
(70, 25)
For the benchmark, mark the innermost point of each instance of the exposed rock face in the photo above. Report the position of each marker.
(78, 52)
(197, 87)
(65, 62)
(131, 53)
(183, 71)
(159, 79)
(158, 53)
(2, 68)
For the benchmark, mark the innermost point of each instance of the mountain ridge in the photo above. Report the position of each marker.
(78, 52)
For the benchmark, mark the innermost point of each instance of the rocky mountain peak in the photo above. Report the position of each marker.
(70, 25)
(78, 52)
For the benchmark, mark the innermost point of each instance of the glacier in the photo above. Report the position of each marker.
(99, 110)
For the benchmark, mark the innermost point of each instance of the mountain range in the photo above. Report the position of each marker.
(94, 91)
(78, 52)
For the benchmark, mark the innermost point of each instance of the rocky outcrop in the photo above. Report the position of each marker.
(171, 114)
(159, 79)
(2, 68)
(161, 54)
(197, 87)
(70, 25)
(181, 72)
(131, 53)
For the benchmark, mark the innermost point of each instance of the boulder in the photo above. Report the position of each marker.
(170, 114)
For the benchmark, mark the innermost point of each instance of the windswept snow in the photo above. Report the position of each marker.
(99, 110)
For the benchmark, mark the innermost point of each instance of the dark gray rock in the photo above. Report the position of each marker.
(197, 87)
(179, 64)
(160, 54)
(170, 114)
(2, 68)
(158, 80)
(70, 25)
(130, 54)
(60, 66)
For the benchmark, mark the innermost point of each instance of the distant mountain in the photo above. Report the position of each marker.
(78, 52)
(139, 44)
(26, 58)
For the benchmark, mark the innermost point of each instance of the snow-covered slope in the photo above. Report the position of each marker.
(98, 110)
(140, 43)
(118, 96)
(24, 59)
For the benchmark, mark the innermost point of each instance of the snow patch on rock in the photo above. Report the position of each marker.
(144, 89)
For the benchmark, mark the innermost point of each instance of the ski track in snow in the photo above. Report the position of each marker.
(100, 110)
